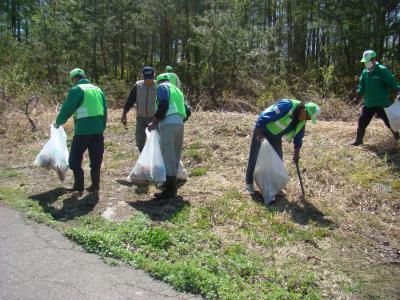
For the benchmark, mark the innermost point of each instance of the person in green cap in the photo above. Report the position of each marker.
(286, 117)
(173, 78)
(169, 118)
(374, 85)
(88, 106)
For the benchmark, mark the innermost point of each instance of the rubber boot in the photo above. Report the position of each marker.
(169, 189)
(174, 187)
(78, 181)
(95, 176)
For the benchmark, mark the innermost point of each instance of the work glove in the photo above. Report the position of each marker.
(55, 125)
(296, 155)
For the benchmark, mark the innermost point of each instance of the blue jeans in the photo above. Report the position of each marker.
(255, 149)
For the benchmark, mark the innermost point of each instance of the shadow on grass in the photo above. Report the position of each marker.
(125, 182)
(72, 207)
(302, 212)
(388, 152)
(159, 210)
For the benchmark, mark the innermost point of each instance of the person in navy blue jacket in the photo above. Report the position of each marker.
(286, 117)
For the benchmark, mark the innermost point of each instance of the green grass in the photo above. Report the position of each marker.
(184, 251)
(16, 199)
(191, 258)
(200, 171)
(8, 173)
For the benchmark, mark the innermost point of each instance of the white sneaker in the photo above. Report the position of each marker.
(250, 189)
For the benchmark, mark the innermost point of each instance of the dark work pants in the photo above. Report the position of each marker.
(255, 149)
(365, 118)
(95, 144)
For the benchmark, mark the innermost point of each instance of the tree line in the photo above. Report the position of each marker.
(253, 49)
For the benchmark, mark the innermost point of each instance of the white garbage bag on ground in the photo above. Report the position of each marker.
(150, 167)
(269, 174)
(393, 114)
(54, 154)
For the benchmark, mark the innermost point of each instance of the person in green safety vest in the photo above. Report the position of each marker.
(286, 117)
(374, 84)
(88, 106)
(173, 78)
(169, 118)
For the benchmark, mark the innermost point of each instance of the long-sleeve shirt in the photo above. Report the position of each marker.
(375, 86)
(276, 112)
(130, 101)
(145, 98)
(84, 126)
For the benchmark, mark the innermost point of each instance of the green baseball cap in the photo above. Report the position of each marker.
(168, 68)
(163, 76)
(368, 56)
(313, 111)
(76, 72)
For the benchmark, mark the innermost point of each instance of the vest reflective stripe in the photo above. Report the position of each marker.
(92, 104)
(172, 78)
(280, 125)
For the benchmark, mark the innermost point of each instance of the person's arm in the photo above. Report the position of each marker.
(162, 106)
(71, 103)
(130, 101)
(390, 80)
(298, 142)
(360, 87)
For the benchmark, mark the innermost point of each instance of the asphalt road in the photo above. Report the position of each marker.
(38, 262)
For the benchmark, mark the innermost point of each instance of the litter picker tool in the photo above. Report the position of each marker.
(299, 175)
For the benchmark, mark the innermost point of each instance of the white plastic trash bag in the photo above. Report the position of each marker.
(393, 114)
(54, 154)
(270, 174)
(150, 166)
(181, 174)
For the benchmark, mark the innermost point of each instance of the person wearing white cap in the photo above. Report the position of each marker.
(374, 85)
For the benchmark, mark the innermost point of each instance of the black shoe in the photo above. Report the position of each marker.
(357, 143)
(165, 194)
(93, 189)
(396, 135)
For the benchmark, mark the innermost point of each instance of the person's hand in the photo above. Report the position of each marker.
(296, 155)
(358, 98)
(55, 125)
(123, 119)
(152, 125)
(260, 138)
(259, 135)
